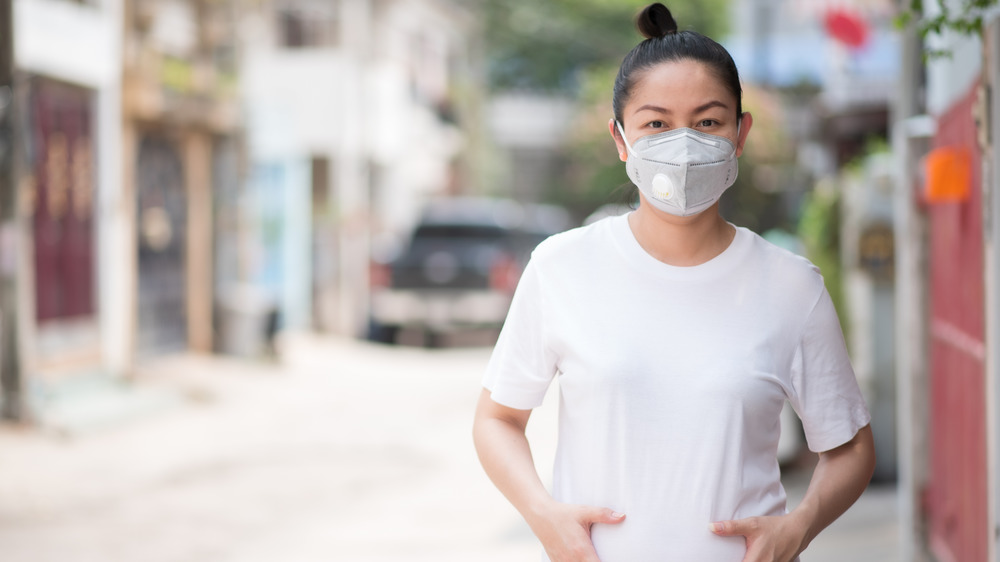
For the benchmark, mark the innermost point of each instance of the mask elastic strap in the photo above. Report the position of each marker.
(739, 125)
(622, 131)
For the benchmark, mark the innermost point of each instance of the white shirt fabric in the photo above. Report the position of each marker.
(671, 381)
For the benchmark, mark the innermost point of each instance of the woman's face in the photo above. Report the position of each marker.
(677, 94)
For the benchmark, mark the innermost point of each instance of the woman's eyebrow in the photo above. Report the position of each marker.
(699, 109)
(650, 107)
(709, 105)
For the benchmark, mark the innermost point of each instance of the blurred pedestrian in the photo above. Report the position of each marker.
(676, 337)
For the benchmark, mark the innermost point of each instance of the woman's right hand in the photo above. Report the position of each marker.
(564, 530)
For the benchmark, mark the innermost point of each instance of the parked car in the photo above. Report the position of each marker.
(460, 266)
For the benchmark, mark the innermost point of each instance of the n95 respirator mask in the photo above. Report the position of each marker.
(681, 171)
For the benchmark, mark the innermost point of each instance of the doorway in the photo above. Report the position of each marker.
(161, 228)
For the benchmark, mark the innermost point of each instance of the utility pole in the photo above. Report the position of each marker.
(910, 133)
(763, 13)
(11, 395)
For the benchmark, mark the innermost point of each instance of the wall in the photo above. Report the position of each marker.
(956, 493)
(371, 103)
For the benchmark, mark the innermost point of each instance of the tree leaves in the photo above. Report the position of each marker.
(965, 19)
(545, 45)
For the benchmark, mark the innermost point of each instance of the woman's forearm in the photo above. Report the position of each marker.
(840, 477)
(503, 450)
(563, 529)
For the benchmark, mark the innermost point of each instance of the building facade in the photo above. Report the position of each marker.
(128, 147)
(352, 110)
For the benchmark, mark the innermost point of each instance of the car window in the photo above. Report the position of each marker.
(459, 231)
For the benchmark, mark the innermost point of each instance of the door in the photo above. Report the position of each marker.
(64, 190)
(61, 205)
(161, 226)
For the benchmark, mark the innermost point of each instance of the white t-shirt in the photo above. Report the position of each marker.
(671, 382)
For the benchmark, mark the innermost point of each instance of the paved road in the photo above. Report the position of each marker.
(342, 452)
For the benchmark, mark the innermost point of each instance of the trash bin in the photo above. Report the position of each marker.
(247, 317)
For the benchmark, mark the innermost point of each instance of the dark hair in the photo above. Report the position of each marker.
(665, 44)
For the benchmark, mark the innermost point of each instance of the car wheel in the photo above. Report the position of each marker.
(381, 333)
(433, 339)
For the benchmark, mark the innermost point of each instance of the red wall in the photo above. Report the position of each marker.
(956, 493)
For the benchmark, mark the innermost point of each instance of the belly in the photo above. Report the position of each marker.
(631, 542)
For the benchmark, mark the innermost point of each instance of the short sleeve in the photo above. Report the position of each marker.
(825, 391)
(522, 366)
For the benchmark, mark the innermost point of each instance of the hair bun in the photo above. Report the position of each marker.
(655, 21)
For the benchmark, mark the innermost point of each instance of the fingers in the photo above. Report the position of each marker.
(767, 538)
(743, 527)
(605, 515)
(565, 531)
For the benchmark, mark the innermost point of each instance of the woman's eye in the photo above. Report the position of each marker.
(656, 124)
(706, 123)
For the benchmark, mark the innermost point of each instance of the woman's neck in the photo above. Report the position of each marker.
(681, 241)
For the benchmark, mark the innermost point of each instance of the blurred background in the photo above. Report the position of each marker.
(253, 254)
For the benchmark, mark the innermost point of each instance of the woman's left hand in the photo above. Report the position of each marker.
(769, 539)
(838, 480)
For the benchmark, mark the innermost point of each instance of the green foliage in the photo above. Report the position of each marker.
(595, 176)
(547, 45)
(819, 230)
(965, 18)
(760, 199)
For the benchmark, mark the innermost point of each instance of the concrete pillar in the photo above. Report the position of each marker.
(126, 248)
(110, 214)
(198, 181)
(911, 305)
(352, 170)
(991, 267)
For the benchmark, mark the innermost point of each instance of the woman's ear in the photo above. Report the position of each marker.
(619, 142)
(746, 121)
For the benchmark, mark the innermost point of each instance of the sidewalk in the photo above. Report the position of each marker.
(345, 451)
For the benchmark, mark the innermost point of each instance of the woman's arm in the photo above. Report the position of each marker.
(841, 475)
(563, 529)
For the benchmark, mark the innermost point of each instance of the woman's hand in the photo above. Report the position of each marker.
(840, 477)
(564, 530)
(769, 539)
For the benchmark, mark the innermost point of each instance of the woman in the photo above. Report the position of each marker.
(677, 337)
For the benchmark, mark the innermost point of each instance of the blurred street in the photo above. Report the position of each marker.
(188, 185)
(343, 451)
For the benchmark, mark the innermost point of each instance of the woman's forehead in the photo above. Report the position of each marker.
(677, 85)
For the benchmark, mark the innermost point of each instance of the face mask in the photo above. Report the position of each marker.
(681, 171)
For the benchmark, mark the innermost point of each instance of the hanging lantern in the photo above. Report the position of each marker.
(948, 175)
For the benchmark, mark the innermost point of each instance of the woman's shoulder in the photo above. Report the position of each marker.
(781, 262)
(577, 243)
